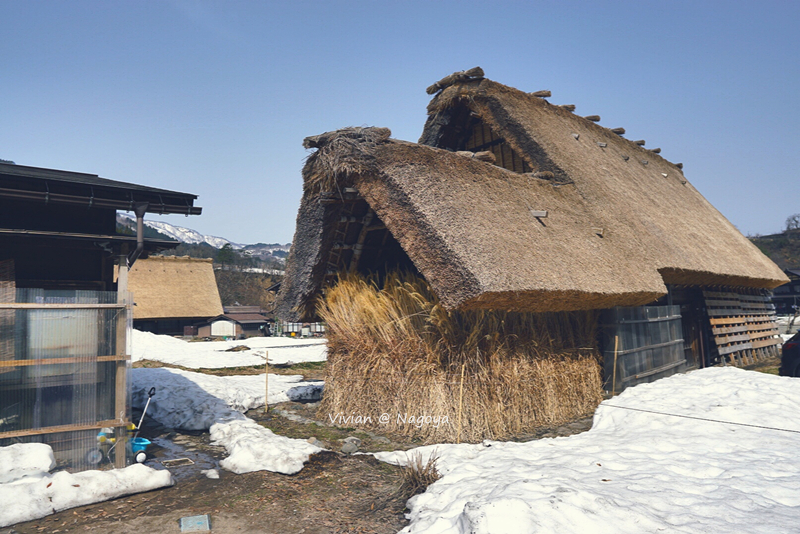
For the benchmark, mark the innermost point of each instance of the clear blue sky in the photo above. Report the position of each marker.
(215, 98)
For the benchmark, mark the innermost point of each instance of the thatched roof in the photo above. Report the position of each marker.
(621, 221)
(174, 287)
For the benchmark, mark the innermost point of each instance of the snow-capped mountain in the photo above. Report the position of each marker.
(184, 235)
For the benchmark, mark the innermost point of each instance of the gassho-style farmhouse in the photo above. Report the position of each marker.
(515, 262)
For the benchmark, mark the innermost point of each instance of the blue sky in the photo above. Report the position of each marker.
(215, 98)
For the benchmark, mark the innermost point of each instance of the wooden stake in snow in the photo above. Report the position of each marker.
(460, 399)
(614, 380)
(266, 381)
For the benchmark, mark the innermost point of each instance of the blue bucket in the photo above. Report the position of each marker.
(139, 444)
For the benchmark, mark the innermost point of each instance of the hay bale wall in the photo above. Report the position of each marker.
(396, 351)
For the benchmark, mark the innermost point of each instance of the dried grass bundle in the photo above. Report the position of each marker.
(484, 374)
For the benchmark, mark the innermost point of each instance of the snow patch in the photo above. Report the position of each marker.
(195, 401)
(635, 471)
(212, 355)
(254, 448)
(39, 493)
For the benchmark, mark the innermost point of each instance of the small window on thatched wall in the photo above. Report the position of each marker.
(483, 138)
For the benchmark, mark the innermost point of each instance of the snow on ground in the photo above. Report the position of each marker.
(212, 355)
(635, 471)
(255, 448)
(195, 401)
(28, 491)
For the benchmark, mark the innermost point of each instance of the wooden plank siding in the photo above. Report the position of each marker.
(743, 326)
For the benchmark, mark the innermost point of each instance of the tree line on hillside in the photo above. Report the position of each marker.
(246, 288)
(782, 248)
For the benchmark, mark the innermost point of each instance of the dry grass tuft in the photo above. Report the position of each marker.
(484, 374)
(418, 475)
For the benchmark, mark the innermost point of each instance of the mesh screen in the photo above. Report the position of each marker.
(59, 379)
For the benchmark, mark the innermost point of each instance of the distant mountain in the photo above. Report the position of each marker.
(179, 233)
(196, 242)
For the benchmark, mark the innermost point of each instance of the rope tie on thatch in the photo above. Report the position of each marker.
(460, 76)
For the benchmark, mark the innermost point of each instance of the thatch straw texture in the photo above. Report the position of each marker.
(468, 226)
(396, 350)
(177, 287)
(661, 223)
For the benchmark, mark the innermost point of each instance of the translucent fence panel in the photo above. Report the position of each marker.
(641, 345)
(300, 328)
(66, 377)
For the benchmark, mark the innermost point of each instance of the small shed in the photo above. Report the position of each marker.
(171, 293)
(234, 325)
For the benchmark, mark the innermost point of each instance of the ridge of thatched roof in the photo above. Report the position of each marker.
(174, 287)
(594, 221)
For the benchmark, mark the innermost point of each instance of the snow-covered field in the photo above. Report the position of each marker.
(29, 491)
(212, 355)
(724, 460)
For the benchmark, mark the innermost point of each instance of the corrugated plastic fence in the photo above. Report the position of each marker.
(65, 375)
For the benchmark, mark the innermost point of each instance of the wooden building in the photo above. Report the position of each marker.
(64, 314)
(239, 325)
(510, 203)
(172, 293)
(787, 297)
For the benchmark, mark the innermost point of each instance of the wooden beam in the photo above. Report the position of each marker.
(111, 423)
(60, 361)
(121, 375)
(37, 306)
(358, 248)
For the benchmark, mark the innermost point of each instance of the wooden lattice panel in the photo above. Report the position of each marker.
(743, 325)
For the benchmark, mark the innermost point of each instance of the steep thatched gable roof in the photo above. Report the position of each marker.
(166, 287)
(620, 221)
